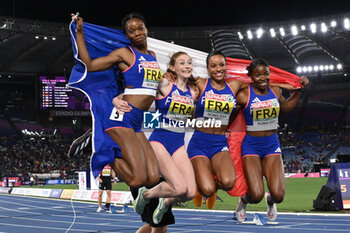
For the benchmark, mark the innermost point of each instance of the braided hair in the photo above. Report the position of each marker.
(256, 62)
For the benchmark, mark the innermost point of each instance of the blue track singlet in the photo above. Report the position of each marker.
(143, 76)
(216, 104)
(262, 111)
(175, 107)
(212, 104)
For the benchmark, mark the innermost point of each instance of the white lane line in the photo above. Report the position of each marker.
(40, 227)
(20, 211)
(33, 206)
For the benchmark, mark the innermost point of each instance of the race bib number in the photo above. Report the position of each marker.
(152, 74)
(219, 107)
(180, 108)
(115, 115)
(106, 172)
(265, 112)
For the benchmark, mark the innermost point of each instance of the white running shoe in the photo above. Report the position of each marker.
(271, 211)
(159, 211)
(98, 209)
(140, 202)
(241, 210)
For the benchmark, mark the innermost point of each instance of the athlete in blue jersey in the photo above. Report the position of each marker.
(261, 152)
(175, 102)
(136, 163)
(208, 148)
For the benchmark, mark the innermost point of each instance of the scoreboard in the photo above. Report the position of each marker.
(55, 95)
(339, 180)
(344, 182)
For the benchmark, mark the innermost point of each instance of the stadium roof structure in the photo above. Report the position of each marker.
(314, 47)
(304, 47)
(32, 47)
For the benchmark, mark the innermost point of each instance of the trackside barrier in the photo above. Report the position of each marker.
(117, 197)
(5, 190)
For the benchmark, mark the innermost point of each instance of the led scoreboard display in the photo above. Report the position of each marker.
(55, 95)
(344, 182)
(339, 181)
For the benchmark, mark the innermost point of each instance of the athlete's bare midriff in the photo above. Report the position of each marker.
(218, 130)
(142, 102)
(261, 133)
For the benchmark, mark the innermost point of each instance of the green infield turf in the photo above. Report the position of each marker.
(300, 193)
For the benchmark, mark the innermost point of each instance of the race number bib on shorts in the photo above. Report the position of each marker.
(152, 74)
(219, 107)
(115, 115)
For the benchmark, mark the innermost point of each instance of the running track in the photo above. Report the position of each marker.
(20, 214)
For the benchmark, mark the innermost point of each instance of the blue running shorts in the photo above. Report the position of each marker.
(132, 119)
(171, 141)
(261, 146)
(207, 145)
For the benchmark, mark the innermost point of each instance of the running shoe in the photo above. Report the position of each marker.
(98, 209)
(271, 211)
(241, 210)
(159, 211)
(81, 144)
(211, 201)
(198, 199)
(109, 211)
(140, 202)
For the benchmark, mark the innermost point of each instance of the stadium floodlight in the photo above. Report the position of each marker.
(313, 28)
(303, 28)
(282, 32)
(272, 32)
(333, 23)
(259, 33)
(346, 23)
(323, 28)
(294, 30)
(249, 34)
(318, 68)
(240, 36)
